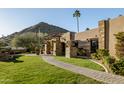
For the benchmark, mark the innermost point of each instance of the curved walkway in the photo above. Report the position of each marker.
(97, 75)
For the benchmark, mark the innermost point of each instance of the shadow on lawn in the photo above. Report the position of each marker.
(13, 58)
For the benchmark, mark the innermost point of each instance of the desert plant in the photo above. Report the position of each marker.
(120, 44)
(108, 61)
(118, 67)
(81, 52)
(95, 56)
(100, 54)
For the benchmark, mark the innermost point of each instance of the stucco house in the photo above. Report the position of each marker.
(102, 37)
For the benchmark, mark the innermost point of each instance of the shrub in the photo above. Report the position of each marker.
(100, 54)
(37, 50)
(95, 56)
(118, 67)
(108, 61)
(81, 52)
(120, 44)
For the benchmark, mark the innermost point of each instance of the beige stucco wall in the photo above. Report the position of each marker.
(115, 25)
(68, 36)
(103, 34)
(93, 33)
(110, 28)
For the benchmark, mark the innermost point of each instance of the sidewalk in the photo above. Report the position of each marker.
(97, 75)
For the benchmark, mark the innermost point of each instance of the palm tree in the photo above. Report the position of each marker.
(77, 14)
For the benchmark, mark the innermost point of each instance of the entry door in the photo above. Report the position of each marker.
(94, 45)
(63, 48)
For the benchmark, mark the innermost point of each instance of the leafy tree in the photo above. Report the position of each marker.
(28, 40)
(3, 43)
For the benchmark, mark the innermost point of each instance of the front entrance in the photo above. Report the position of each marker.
(63, 48)
(94, 45)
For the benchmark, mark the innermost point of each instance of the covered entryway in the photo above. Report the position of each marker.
(94, 45)
(63, 48)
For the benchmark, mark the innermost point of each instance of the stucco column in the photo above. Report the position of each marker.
(71, 51)
(45, 49)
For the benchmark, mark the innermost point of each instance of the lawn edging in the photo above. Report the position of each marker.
(106, 70)
(86, 62)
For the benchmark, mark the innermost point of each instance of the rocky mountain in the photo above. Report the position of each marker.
(43, 28)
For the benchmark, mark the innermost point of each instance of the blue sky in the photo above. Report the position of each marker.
(14, 20)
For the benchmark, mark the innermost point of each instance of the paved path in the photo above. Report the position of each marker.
(97, 75)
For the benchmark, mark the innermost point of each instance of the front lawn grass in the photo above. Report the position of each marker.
(33, 70)
(80, 62)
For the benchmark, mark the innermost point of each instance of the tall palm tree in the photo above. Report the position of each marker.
(77, 14)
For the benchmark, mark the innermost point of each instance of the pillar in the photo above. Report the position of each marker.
(104, 34)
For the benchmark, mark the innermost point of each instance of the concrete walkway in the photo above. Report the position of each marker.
(97, 75)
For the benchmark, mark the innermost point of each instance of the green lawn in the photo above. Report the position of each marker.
(80, 62)
(33, 70)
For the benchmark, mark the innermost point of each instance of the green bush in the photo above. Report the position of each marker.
(95, 56)
(119, 44)
(81, 52)
(100, 54)
(118, 67)
(37, 50)
(109, 60)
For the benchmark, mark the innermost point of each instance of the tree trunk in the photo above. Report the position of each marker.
(77, 24)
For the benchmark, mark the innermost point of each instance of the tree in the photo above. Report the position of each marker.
(3, 43)
(77, 14)
(28, 40)
(87, 29)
